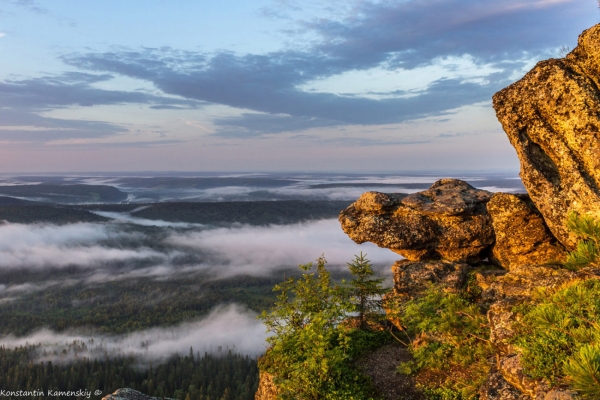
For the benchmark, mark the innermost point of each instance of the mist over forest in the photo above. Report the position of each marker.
(145, 268)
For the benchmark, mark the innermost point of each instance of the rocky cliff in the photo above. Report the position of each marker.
(552, 118)
(446, 233)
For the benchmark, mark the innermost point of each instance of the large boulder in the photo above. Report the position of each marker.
(512, 289)
(522, 237)
(449, 221)
(552, 118)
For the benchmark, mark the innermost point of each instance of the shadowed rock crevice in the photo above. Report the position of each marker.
(543, 162)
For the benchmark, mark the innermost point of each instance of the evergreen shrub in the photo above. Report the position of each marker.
(312, 350)
(559, 332)
(449, 339)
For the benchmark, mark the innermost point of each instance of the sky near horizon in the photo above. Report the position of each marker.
(268, 85)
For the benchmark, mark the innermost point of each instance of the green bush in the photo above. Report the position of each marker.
(449, 337)
(312, 350)
(558, 336)
(583, 368)
(587, 252)
(559, 333)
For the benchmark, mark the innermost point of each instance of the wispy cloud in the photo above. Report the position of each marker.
(130, 219)
(227, 327)
(39, 246)
(30, 5)
(23, 100)
(261, 250)
(393, 35)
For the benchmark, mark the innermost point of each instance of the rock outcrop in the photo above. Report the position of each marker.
(411, 278)
(552, 118)
(522, 237)
(130, 394)
(496, 388)
(509, 290)
(449, 221)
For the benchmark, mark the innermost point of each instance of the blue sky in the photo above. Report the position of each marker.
(270, 85)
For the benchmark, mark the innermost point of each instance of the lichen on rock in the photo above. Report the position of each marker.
(413, 277)
(522, 237)
(447, 221)
(551, 116)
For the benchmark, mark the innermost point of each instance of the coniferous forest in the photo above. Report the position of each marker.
(196, 376)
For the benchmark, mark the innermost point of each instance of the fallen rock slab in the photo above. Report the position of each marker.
(448, 221)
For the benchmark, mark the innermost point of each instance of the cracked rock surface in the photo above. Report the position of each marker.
(449, 221)
(551, 117)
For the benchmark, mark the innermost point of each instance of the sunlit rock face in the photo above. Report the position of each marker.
(552, 118)
(447, 221)
(522, 237)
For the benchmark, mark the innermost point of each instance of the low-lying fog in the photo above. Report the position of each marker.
(226, 328)
(252, 187)
(237, 250)
(130, 249)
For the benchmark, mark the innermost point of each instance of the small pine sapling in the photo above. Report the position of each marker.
(365, 290)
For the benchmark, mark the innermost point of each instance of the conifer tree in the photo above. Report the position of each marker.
(365, 291)
(307, 342)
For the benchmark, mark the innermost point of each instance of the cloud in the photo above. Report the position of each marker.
(247, 125)
(105, 252)
(268, 84)
(30, 5)
(417, 32)
(37, 246)
(226, 327)
(22, 101)
(22, 124)
(385, 34)
(83, 143)
(75, 89)
(261, 250)
(128, 218)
